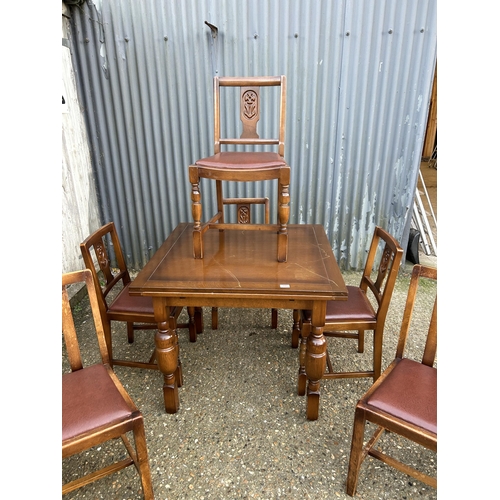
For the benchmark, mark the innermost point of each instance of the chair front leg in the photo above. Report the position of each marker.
(172, 324)
(296, 328)
(356, 458)
(192, 324)
(130, 332)
(142, 462)
(215, 318)
(305, 329)
(274, 319)
(198, 319)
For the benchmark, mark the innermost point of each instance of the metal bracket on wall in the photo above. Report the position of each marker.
(214, 49)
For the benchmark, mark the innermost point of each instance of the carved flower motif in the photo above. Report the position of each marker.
(244, 215)
(250, 104)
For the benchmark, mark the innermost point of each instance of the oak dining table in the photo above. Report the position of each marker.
(239, 269)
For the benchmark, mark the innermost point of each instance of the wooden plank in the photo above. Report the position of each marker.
(430, 135)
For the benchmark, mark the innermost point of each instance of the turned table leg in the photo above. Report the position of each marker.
(167, 355)
(315, 358)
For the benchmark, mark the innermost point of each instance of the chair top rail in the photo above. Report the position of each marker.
(236, 81)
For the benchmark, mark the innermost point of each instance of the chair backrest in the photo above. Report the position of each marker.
(381, 281)
(429, 353)
(94, 251)
(250, 110)
(68, 325)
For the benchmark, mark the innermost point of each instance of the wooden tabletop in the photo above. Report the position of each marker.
(240, 269)
(241, 266)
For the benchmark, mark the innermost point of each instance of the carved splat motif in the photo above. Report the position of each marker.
(243, 214)
(384, 264)
(249, 111)
(386, 257)
(102, 256)
(250, 104)
(103, 260)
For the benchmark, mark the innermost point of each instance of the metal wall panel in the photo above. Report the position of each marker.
(359, 76)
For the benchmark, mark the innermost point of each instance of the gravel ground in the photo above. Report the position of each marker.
(241, 431)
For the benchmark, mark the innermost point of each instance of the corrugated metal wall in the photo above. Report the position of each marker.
(359, 77)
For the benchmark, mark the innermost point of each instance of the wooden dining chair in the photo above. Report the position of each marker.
(115, 302)
(403, 400)
(365, 308)
(95, 406)
(235, 165)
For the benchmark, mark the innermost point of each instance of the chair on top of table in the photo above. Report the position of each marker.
(95, 406)
(259, 164)
(357, 312)
(403, 400)
(116, 304)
